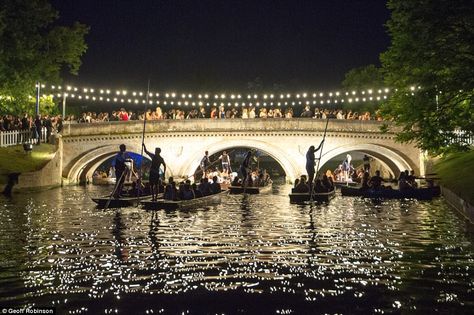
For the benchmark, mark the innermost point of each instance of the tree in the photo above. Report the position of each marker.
(429, 68)
(33, 49)
(364, 78)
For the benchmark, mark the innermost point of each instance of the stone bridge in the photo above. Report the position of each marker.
(183, 142)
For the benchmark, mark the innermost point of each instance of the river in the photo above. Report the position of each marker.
(247, 255)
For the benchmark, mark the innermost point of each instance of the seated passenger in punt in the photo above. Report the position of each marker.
(302, 186)
(411, 179)
(236, 181)
(196, 191)
(407, 180)
(181, 191)
(327, 184)
(375, 181)
(319, 187)
(205, 187)
(259, 181)
(171, 193)
(365, 181)
(297, 181)
(188, 192)
(215, 186)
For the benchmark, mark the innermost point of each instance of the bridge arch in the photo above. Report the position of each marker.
(391, 159)
(290, 166)
(85, 166)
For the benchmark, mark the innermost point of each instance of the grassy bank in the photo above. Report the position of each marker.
(456, 173)
(15, 159)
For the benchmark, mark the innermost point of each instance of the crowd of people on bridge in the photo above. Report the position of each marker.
(225, 113)
(55, 122)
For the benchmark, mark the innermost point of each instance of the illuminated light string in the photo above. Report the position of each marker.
(222, 99)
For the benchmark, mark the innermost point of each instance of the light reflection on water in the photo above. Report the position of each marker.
(248, 254)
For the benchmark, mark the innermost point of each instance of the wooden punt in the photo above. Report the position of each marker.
(122, 202)
(418, 193)
(303, 198)
(183, 204)
(250, 190)
(351, 184)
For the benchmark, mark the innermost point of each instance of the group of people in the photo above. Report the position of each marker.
(32, 125)
(222, 112)
(346, 173)
(210, 181)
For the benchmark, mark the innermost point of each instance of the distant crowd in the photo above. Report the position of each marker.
(12, 122)
(223, 113)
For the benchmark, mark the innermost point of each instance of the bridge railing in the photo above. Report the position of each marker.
(220, 125)
(16, 137)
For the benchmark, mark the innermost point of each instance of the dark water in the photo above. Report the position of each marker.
(255, 254)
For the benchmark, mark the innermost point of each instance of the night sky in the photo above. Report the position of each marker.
(222, 45)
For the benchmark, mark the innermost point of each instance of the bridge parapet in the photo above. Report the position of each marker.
(219, 125)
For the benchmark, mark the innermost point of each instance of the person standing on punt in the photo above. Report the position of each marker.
(310, 163)
(155, 180)
(245, 168)
(205, 163)
(225, 159)
(120, 169)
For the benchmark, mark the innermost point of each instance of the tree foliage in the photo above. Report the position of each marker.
(429, 67)
(364, 78)
(33, 48)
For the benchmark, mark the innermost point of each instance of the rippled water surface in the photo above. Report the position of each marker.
(249, 254)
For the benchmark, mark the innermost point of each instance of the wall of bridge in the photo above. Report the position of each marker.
(86, 146)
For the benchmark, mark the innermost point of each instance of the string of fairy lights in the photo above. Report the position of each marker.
(122, 96)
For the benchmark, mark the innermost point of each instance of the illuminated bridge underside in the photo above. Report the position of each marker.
(183, 143)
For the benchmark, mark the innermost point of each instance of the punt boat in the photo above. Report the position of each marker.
(301, 198)
(122, 202)
(250, 189)
(418, 193)
(183, 204)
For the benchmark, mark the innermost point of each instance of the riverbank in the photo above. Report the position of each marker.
(15, 160)
(455, 172)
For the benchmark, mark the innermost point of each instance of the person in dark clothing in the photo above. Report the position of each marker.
(205, 163)
(365, 181)
(376, 181)
(26, 126)
(25, 123)
(202, 113)
(188, 193)
(205, 187)
(366, 160)
(120, 169)
(245, 168)
(38, 126)
(12, 180)
(171, 193)
(302, 186)
(156, 162)
(215, 186)
(59, 124)
(47, 123)
(196, 191)
(307, 113)
(310, 162)
(327, 183)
